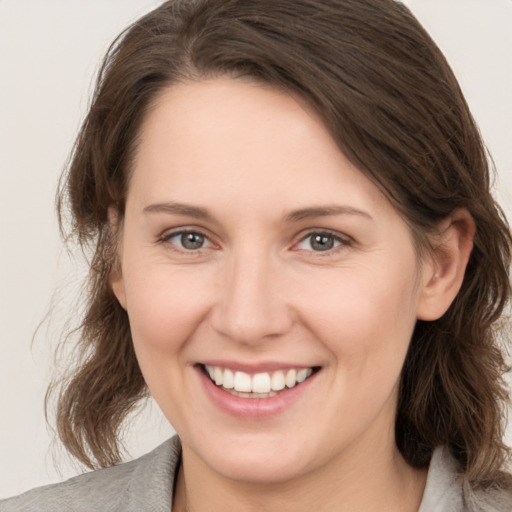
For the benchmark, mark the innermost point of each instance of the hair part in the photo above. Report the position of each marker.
(394, 107)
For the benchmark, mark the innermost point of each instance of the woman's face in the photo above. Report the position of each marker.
(253, 249)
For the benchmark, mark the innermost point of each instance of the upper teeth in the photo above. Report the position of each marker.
(259, 382)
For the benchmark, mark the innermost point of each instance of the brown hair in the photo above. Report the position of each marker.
(395, 109)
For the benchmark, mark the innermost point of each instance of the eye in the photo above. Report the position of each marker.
(321, 242)
(188, 240)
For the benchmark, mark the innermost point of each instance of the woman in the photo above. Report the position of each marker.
(296, 252)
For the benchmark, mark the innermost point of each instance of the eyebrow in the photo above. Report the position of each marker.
(294, 216)
(324, 211)
(179, 209)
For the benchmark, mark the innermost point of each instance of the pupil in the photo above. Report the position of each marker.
(192, 240)
(322, 242)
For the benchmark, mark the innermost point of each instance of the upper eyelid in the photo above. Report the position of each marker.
(172, 232)
(166, 235)
(335, 234)
(344, 240)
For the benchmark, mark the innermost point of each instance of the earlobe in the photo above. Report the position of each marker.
(116, 275)
(117, 284)
(443, 275)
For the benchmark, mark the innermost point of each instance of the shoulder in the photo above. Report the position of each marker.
(497, 499)
(446, 490)
(142, 484)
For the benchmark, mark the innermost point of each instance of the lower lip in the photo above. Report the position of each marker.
(254, 407)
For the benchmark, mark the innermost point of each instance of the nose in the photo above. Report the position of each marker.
(251, 306)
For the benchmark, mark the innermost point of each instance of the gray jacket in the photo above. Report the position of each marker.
(146, 485)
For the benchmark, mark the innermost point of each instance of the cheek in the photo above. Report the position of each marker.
(365, 317)
(366, 323)
(165, 306)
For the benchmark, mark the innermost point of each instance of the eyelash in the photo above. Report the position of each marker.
(340, 241)
(167, 237)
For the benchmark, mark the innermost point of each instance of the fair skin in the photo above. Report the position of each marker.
(251, 244)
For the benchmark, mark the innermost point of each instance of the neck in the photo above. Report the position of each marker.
(380, 480)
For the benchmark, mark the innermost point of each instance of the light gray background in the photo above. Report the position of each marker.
(49, 51)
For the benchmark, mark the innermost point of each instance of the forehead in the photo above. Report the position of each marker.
(242, 142)
(229, 117)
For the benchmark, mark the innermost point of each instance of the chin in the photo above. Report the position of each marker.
(257, 469)
(256, 460)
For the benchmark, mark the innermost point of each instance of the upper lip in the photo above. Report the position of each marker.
(255, 367)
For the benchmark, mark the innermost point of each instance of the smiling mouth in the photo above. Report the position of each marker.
(258, 385)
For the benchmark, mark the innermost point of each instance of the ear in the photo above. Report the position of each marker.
(443, 272)
(116, 276)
